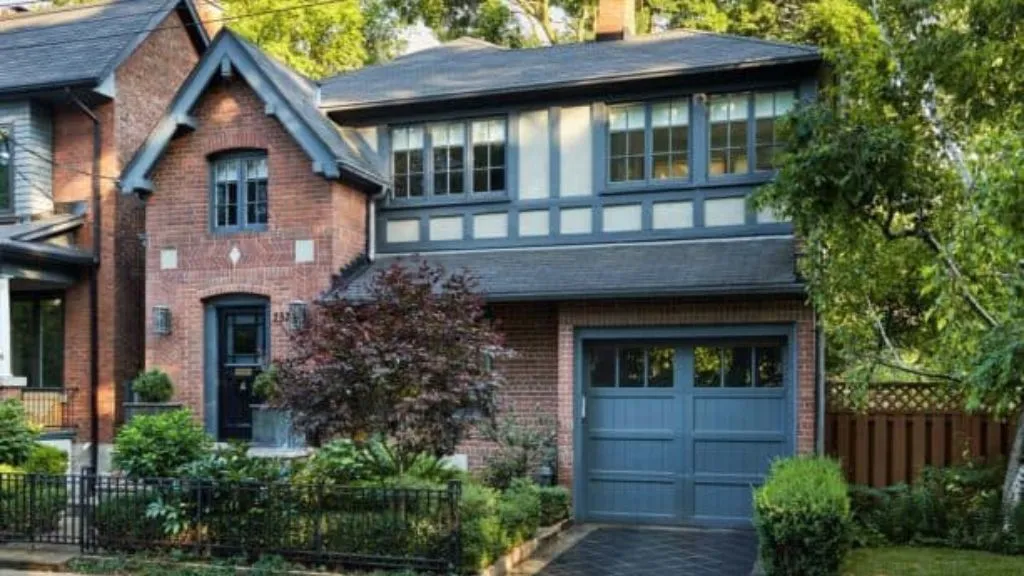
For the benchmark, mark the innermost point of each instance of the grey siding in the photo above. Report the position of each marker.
(32, 128)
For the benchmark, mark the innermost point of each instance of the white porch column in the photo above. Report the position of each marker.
(7, 378)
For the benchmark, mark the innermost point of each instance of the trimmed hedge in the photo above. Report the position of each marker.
(555, 504)
(802, 516)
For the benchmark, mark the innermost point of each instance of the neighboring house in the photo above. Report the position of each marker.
(600, 193)
(72, 79)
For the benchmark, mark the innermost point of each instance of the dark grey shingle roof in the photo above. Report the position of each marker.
(471, 67)
(26, 241)
(754, 265)
(301, 93)
(77, 44)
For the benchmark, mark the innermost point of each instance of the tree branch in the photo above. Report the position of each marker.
(957, 275)
(897, 363)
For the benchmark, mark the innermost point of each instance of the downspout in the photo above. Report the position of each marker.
(819, 367)
(94, 369)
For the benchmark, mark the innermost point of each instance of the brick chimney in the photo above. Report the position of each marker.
(210, 12)
(616, 19)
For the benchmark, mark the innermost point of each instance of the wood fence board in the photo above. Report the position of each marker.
(917, 452)
(842, 427)
(993, 438)
(937, 453)
(860, 437)
(880, 452)
(898, 442)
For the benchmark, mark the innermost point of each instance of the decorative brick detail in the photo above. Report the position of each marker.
(540, 378)
(146, 82)
(302, 206)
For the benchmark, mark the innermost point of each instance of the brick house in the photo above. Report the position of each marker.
(70, 245)
(599, 192)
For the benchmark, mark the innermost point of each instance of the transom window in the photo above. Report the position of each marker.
(631, 366)
(743, 130)
(737, 366)
(240, 192)
(668, 125)
(465, 156)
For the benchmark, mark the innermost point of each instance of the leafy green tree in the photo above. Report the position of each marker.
(904, 181)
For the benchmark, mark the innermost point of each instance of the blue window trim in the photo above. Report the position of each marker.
(648, 182)
(468, 195)
(226, 156)
(751, 144)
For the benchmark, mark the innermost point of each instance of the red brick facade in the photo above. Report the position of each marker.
(540, 378)
(145, 83)
(302, 206)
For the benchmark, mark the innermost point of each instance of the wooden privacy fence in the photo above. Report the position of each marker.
(888, 436)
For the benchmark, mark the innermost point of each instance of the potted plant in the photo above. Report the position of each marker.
(152, 391)
(271, 427)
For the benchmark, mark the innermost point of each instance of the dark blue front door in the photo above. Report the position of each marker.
(242, 349)
(681, 431)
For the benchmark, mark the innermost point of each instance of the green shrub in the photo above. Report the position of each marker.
(519, 511)
(483, 539)
(159, 445)
(521, 448)
(17, 434)
(381, 459)
(121, 523)
(153, 386)
(338, 462)
(802, 516)
(555, 504)
(45, 459)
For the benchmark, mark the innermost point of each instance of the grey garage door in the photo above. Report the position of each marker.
(678, 432)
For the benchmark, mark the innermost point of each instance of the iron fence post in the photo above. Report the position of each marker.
(454, 498)
(31, 508)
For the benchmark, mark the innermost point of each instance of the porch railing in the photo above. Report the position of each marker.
(49, 408)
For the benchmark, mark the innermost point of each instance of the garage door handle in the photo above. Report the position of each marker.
(583, 408)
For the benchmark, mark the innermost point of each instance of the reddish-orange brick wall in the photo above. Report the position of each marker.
(540, 378)
(145, 83)
(302, 206)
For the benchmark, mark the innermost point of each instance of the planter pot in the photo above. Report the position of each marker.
(133, 409)
(272, 428)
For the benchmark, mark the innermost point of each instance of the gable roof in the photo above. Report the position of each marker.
(643, 269)
(81, 45)
(466, 68)
(288, 96)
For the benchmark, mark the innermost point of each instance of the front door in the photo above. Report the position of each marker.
(242, 345)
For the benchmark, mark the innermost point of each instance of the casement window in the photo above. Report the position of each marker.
(463, 157)
(649, 141)
(37, 343)
(240, 192)
(743, 132)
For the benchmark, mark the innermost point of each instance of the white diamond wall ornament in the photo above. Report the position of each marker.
(235, 255)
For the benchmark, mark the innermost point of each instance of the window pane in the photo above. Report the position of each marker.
(416, 186)
(765, 157)
(631, 367)
(24, 340)
(617, 169)
(707, 367)
(680, 166)
(661, 138)
(618, 144)
(660, 367)
(661, 115)
(480, 159)
(785, 101)
(226, 170)
(480, 180)
(719, 135)
(738, 135)
(769, 366)
(601, 366)
(635, 168)
(256, 168)
(738, 370)
(738, 161)
(660, 167)
(497, 178)
(51, 323)
(717, 164)
(636, 143)
(6, 173)
(764, 106)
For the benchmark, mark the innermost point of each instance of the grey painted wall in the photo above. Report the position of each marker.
(32, 128)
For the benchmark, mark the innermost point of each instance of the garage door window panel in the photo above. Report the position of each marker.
(738, 366)
(630, 366)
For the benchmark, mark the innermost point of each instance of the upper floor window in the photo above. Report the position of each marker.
(464, 156)
(240, 192)
(6, 170)
(668, 123)
(743, 132)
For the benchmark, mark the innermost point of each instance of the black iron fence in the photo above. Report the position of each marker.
(317, 524)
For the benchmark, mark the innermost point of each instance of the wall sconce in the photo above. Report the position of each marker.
(161, 320)
(297, 315)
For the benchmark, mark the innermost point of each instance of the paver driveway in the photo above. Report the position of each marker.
(651, 552)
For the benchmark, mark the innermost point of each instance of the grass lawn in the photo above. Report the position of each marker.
(928, 562)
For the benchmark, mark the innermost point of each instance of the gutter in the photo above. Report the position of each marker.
(94, 374)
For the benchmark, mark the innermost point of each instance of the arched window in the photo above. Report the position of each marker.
(239, 191)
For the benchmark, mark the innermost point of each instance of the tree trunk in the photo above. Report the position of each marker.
(1011, 492)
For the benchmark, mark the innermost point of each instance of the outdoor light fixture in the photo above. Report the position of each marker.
(161, 320)
(297, 315)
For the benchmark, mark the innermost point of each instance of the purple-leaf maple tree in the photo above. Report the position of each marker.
(413, 362)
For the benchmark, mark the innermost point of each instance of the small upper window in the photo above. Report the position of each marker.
(488, 156)
(734, 118)
(240, 192)
(631, 366)
(407, 156)
(448, 142)
(670, 136)
(649, 141)
(737, 366)
(626, 134)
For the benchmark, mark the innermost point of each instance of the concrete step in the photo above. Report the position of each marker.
(36, 557)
